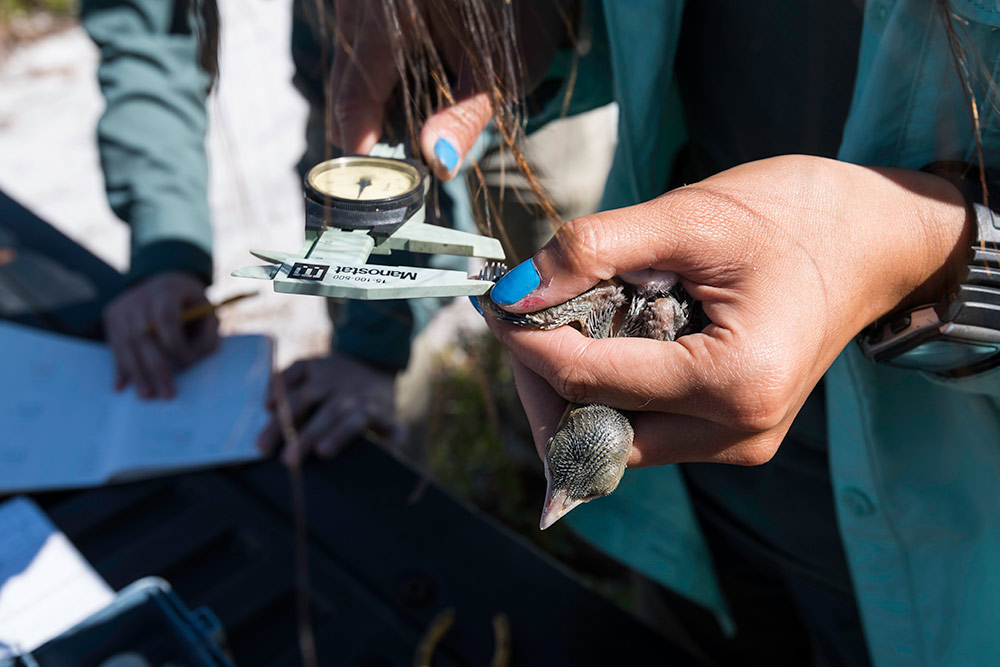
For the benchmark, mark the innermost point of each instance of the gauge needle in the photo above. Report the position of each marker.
(363, 183)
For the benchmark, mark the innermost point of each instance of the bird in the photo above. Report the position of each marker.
(587, 455)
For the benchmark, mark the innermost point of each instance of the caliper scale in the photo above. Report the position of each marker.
(360, 205)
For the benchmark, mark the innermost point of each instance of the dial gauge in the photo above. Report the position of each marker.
(363, 192)
(368, 179)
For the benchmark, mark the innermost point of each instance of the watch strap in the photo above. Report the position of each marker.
(975, 301)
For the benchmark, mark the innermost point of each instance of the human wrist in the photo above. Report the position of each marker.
(906, 233)
(946, 224)
(929, 234)
(959, 333)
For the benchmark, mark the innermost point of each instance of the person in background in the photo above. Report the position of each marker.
(158, 63)
(151, 139)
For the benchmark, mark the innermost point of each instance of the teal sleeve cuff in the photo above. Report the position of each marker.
(376, 332)
(170, 233)
(380, 333)
(165, 256)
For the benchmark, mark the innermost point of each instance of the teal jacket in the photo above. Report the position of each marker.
(152, 133)
(914, 459)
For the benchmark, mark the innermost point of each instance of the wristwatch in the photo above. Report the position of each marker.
(959, 335)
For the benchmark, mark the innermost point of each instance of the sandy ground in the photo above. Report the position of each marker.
(49, 107)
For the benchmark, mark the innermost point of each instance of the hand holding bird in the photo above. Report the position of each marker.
(789, 257)
(586, 457)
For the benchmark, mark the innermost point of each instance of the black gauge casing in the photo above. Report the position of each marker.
(381, 217)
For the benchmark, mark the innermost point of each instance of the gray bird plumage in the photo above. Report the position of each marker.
(587, 455)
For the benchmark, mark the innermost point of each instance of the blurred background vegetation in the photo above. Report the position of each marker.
(24, 21)
(10, 9)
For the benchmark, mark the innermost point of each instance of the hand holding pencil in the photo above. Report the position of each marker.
(158, 326)
(202, 310)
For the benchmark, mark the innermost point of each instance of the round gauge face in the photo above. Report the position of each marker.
(364, 178)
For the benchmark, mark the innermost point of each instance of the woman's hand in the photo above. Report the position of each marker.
(147, 336)
(791, 257)
(365, 73)
(333, 400)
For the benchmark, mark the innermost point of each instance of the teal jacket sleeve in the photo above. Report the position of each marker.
(381, 333)
(580, 77)
(152, 134)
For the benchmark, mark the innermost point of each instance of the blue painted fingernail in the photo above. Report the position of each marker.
(446, 154)
(475, 304)
(517, 284)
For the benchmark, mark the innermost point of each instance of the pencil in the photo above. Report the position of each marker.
(202, 310)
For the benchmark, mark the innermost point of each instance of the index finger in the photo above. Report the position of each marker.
(669, 233)
(168, 330)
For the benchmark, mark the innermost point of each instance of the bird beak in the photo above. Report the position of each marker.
(557, 505)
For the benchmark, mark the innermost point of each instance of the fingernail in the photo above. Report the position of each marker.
(516, 284)
(446, 154)
(475, 304)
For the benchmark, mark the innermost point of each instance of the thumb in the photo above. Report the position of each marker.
(451, 132)
(590, 249)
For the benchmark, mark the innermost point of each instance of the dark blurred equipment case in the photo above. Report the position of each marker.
(146, 620)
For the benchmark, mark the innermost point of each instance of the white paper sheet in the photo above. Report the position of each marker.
(46, 587)
(63, 425)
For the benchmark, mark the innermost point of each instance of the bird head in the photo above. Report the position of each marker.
(585, 459)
